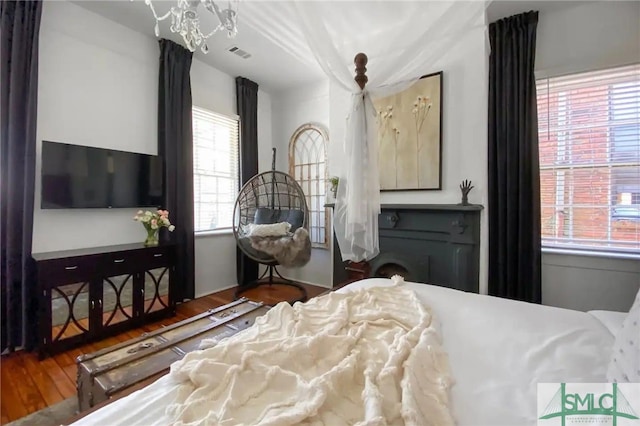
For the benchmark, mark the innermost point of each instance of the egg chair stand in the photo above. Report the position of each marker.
(268, 198)
(270, 270)
(271, 276)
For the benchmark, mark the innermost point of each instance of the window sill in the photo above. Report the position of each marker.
(592, 253)
(214, 232)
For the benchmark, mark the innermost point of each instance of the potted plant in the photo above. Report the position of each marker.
(152, 223)
(334, 181)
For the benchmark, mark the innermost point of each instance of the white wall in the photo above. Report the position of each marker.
(464, 133)
(588, 37)
(98, 86)
(291, 109)
(589, 282)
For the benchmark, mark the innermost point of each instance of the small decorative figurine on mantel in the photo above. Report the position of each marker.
(465, 187)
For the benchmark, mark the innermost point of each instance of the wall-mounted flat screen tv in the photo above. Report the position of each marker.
(83, 177)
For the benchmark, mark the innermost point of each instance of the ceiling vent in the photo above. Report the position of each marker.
(237, 51)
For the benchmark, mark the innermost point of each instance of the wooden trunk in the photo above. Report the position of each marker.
(119, 369)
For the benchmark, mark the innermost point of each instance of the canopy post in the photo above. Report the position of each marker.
(361, 68)
(359, 270)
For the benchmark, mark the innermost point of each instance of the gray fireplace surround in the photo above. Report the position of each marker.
(429, 243)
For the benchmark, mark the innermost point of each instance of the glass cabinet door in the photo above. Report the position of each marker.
(117, 299)
(69, 310)
(156, 289)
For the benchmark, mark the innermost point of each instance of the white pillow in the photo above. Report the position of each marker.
(267, 230)
(624, 366)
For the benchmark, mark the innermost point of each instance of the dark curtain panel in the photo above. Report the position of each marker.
(175, 145)
(514, 172)
(19, 26)
(247, 106)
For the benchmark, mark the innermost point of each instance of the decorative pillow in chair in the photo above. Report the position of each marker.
(625, 359)
(267, 230)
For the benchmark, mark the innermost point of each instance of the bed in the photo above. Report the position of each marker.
(498, 351)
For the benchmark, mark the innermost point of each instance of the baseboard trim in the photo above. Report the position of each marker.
(307, 282)
(217, 290)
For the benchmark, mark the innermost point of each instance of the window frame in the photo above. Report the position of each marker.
(573, 245)
(324, 179)
(232, 117)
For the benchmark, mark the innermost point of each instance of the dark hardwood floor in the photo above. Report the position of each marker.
(28, 385)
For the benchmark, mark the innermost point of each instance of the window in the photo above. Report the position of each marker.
(215, 169)
(307, 164)
(589, 136)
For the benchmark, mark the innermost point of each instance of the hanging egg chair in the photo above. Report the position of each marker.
(269, 198)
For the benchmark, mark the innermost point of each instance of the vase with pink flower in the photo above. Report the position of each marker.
(152, 222)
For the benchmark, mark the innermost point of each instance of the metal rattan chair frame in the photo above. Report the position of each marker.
(276, 191)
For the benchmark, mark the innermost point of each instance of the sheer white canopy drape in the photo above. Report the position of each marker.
(402, 41)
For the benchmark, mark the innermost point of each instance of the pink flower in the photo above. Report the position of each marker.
(154, 222)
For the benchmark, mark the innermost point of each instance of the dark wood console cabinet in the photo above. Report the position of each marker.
(89, 294)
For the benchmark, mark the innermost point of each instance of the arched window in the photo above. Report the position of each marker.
(307, 164)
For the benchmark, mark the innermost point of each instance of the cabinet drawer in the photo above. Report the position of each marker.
(125, 262)
(67, 270)
(158, 256)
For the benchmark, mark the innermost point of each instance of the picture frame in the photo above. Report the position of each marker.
(410, 136)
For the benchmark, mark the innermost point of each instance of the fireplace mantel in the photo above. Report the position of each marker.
(431, 243)
(445, 207)
(449, 207)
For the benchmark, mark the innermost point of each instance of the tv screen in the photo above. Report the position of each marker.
(83, 177)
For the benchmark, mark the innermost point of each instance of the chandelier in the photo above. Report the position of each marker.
(186, 22)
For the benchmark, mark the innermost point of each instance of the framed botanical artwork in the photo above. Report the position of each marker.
(410, 136)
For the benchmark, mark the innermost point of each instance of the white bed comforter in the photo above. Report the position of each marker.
(371, 357)
(498, 351)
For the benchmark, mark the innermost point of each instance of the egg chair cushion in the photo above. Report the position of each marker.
(267, 216)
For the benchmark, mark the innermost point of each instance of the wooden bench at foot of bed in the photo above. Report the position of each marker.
(112, 373)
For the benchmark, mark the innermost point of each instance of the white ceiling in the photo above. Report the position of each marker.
(269, 65)
(499, 9)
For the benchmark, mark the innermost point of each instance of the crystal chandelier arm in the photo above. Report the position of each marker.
(155, 15)
(227, 17)
(212, 7)
(215, 30)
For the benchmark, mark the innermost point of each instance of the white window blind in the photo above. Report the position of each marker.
(215, 169)
(307, 158)
(589, 135)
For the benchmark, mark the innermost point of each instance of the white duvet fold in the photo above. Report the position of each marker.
(371, 357)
